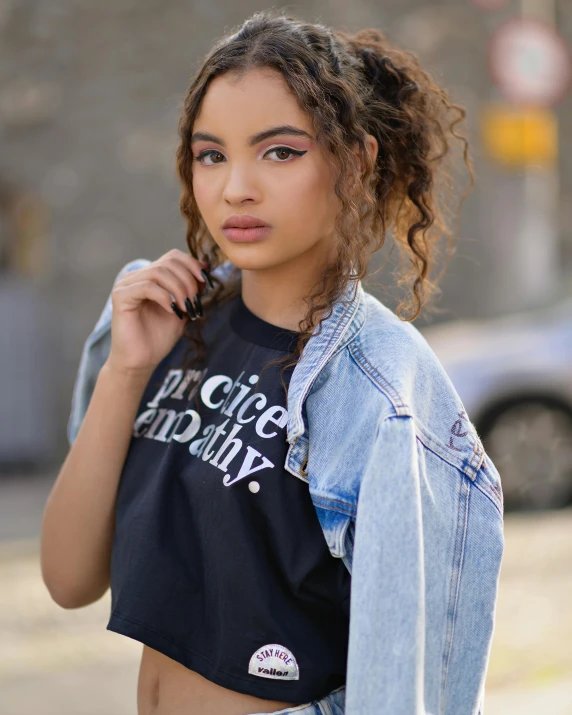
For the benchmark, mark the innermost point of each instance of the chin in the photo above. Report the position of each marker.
(256, 263)
(251, 257)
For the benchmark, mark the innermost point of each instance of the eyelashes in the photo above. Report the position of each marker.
(210, 152)
(294, 152)
(206, 153)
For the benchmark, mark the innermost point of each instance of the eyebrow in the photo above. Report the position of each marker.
(255, 138)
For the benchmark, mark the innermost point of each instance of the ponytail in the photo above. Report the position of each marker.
(413, 120)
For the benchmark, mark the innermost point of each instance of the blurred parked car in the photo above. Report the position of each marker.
(514, 376)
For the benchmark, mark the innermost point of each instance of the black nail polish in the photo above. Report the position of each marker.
(178, 312)
(207, 278)
(198, 306)
(190, 309)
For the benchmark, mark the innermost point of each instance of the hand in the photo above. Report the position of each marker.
(144, 326)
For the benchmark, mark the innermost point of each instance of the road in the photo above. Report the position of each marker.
(58, 662)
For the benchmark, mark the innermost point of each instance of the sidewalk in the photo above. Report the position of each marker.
(55, 661)
(530, 669)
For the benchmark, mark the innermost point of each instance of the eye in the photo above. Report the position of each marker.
(209, 152)
(281, 150)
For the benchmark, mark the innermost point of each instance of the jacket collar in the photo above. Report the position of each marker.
(334, 332)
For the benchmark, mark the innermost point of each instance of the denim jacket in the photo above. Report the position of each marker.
(405, 494)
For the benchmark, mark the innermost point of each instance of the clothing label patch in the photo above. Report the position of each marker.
(274, 661)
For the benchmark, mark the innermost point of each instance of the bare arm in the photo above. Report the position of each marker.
(78, 521)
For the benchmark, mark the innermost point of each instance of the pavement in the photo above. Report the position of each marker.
(530, 669)
(64, 662)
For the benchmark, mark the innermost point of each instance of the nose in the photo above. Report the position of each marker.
(241, 185)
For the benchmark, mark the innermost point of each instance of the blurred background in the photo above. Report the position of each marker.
(89, 102)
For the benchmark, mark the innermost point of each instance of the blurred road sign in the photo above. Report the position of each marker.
(520, 137)
(530, 62)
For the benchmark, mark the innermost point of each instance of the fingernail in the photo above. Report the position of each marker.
(179, 313)
(207, 278)
(198, 306)
(190, 309)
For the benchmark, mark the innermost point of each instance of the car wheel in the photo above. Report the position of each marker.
(530, 443)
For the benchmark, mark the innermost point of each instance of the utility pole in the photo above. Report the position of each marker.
(529, 62)
(539, 245)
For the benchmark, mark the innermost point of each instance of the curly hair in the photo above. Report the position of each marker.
(351, 85)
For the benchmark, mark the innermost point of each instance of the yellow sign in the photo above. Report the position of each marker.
(518, 136)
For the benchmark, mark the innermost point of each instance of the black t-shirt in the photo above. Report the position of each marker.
(219, 560)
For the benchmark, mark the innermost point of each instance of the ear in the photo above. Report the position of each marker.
(372, 148)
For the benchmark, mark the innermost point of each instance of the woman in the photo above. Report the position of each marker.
(270, 468)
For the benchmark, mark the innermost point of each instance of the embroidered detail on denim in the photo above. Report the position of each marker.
(456, 428)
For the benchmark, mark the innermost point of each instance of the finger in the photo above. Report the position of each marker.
(164, 276)
(191, 263)
(130, 297)
(182, 264)
(165, 279)
(178, 281)
(188, 277)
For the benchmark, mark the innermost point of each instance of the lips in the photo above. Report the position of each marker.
(245, 228)
(243, 221)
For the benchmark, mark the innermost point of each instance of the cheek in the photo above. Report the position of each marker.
(205, 193)
(307, 200)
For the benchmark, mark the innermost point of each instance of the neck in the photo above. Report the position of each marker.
(277, 294)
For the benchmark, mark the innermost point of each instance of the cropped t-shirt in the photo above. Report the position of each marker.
(218, 558)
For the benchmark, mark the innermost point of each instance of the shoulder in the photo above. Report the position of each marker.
(397, 360)
(384, 395)
(396, 357)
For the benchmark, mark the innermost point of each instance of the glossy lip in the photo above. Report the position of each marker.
(242, 235)
(245, 228)
(243, 221)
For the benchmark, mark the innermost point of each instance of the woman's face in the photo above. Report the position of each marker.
(282, 178)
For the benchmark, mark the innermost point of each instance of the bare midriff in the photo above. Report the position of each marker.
(166, 687)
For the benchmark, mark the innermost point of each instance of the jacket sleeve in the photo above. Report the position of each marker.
(96, 350)
(426, 560)
(385, 666)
